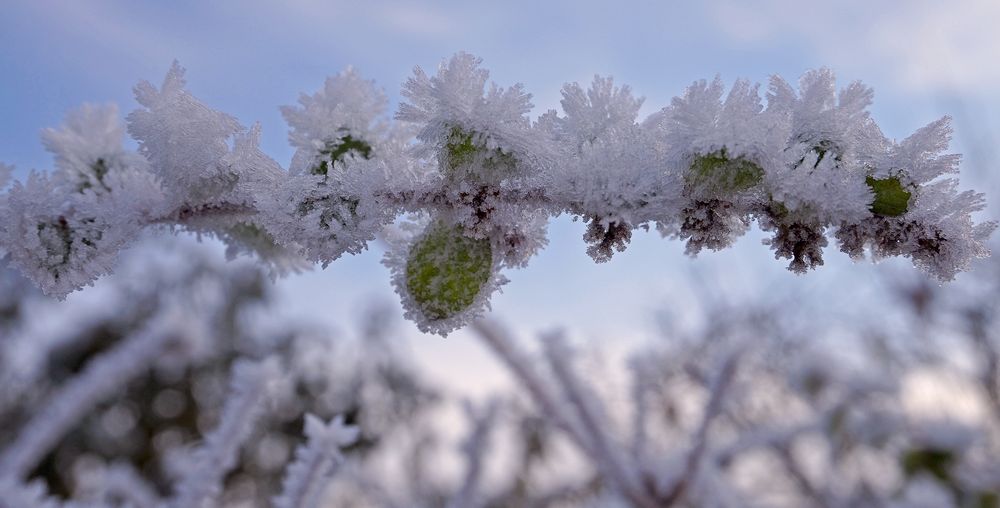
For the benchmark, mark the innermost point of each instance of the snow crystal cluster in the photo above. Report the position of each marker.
(478, 179)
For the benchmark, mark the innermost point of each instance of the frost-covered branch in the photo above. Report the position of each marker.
(483, 179)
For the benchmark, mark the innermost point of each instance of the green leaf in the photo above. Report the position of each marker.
(720, 173)
(891, 199)
(335, 151)
(446, 270)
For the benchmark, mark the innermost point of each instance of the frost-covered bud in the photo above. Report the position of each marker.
(338, 150)
(476, 134)
(719, 174)
(916, 213)
(344, 119)
(469, 154)
(712, 224)
(604, 237)
(797, 236)
(323, 219)
(444, 276)
(521, 240)
(722, 151)
(89, 153)
(63, 230)
(62, 242)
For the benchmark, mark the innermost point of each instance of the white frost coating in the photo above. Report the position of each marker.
(183, 139)
(251, 384)
(315, 463)
(801, 163)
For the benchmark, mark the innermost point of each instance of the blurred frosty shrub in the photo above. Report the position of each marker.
(177, 385)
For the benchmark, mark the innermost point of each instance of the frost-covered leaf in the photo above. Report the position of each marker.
(446, 270)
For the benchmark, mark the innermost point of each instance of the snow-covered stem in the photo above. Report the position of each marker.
(103, 377)
(316, 462)
(251, 384)
(474, 448)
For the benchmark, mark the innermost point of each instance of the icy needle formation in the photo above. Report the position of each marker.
(477, 180)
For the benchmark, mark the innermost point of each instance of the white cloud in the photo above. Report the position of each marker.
(922, 44)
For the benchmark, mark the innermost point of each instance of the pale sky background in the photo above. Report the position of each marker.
(924, 58)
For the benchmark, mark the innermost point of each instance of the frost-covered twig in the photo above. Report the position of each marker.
(486, 177)
(315, 463)
(251, 384)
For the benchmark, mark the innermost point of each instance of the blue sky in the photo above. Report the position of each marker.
(925, 59)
